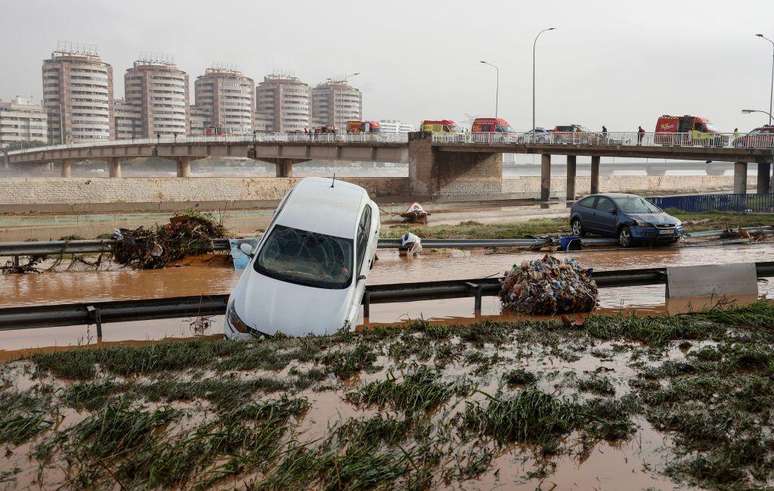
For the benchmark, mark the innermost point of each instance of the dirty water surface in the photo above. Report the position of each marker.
(619, 402)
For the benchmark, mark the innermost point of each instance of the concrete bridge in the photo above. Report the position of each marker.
(440, 164)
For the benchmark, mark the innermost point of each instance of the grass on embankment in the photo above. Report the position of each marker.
(693, 222)
(424, 406)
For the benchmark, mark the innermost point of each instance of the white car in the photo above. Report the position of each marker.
(308, 272)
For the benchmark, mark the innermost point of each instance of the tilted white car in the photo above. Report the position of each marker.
(308, 272)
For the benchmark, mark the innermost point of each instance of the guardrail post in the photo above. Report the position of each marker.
(595, 160)
(740, 178)
(476, 298)
(366, 307)
(96, 317)
(764, 178)
(545, 177)
(572, 165)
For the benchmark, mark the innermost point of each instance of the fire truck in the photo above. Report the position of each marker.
(356, 127)
(490, 125)
(438, 126)
(687, 130)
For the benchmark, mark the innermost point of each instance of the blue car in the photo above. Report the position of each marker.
(628, 217)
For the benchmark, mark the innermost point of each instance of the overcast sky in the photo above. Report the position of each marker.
(613, 62)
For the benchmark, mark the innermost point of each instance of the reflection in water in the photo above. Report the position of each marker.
(44, 289)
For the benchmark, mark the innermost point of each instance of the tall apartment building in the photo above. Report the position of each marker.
(200, 121)
(335, 102)
(22, 122)
(282, 103)
(228, 97)
(160, 90)
(128, 120)
(78, 96)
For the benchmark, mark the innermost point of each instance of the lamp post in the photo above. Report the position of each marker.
(497, 87)
(750, 111)
(534, 45)
(771, 90)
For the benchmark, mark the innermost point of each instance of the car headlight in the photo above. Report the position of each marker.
(234, 321)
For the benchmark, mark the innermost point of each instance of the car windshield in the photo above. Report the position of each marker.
(306, 258)
(635, 204)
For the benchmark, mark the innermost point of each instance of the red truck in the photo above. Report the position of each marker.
(490, 125)
(356, 127)
(687, 130)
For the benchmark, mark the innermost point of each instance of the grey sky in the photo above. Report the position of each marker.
(612, 62)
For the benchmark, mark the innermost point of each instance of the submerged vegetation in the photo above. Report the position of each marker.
(418, 407)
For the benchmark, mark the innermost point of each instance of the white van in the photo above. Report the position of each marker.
(308, 272)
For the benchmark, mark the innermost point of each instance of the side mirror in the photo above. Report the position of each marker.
(361, 277)
(247, 249)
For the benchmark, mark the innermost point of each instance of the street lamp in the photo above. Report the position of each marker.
(750, 111)
(771, 91)
(497, 89)
(534, 44)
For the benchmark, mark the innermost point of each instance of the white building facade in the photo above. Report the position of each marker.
(160, 91)
(22, 122)
(283, 104)
(335, 102)
(228, 97)
(395, 126)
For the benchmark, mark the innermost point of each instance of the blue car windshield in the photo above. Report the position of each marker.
(306, 258)
(635, 204)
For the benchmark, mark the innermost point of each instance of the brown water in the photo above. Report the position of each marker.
(66, 287)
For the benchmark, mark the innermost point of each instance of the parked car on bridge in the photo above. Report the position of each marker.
(574, 134)
(627, 217)
(687, 131)
(438, 126)
(490, 125)
(541, 135)
(307, 274)
(762, 137)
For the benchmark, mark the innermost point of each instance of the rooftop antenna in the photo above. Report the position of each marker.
(333, 181)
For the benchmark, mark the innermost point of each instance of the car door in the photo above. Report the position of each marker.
(585, 211)
(606, 217)
(362, 257)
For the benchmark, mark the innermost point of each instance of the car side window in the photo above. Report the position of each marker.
(606, 205)
(363, 231)
(587, 202)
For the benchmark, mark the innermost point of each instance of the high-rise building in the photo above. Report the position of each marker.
(283, 102)
(128, 120)
(78, 96)
(228, 97)
(22, 122)
(335, 102)
(160, 90)
(395, 126)
(200, 121)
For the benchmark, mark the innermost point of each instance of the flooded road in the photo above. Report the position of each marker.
(67, 287)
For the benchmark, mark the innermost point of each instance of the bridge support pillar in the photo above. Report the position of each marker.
(545, 177)
(183, 167)
(764, 178)
(572, 170)
(740, 177)
(284, 167)
(67, 168)
(443, 171)
(595, 160)
(115, 167)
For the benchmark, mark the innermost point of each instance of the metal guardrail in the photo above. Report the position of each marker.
(716, 202)
(240, 139)
(147, 309)
(693, 139)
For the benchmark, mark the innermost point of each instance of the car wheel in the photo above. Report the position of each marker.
(625, 237)
(577, 228)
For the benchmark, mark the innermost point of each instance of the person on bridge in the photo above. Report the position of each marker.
(640, 135)
(604, 134)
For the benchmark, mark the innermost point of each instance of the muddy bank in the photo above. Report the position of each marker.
(619, 402)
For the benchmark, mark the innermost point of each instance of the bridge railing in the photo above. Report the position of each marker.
(692, 139)
(246, 138)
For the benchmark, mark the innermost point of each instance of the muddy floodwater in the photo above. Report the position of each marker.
(65, 287)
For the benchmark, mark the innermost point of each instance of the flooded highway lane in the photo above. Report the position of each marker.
(66, 287)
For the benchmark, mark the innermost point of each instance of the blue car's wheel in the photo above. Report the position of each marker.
(624, 237)
(577, 227)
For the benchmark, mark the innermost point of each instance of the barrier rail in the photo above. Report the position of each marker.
(717, 202)
(694, 139)
(241, 139)
(97, 313)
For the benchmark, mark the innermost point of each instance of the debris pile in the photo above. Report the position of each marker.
(187, 234)
(415, 214)
(548, 286)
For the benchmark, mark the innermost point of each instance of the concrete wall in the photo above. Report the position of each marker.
(58, 195)
(530, 186)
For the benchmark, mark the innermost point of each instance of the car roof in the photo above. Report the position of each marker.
(617, 195)
(325, 206)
